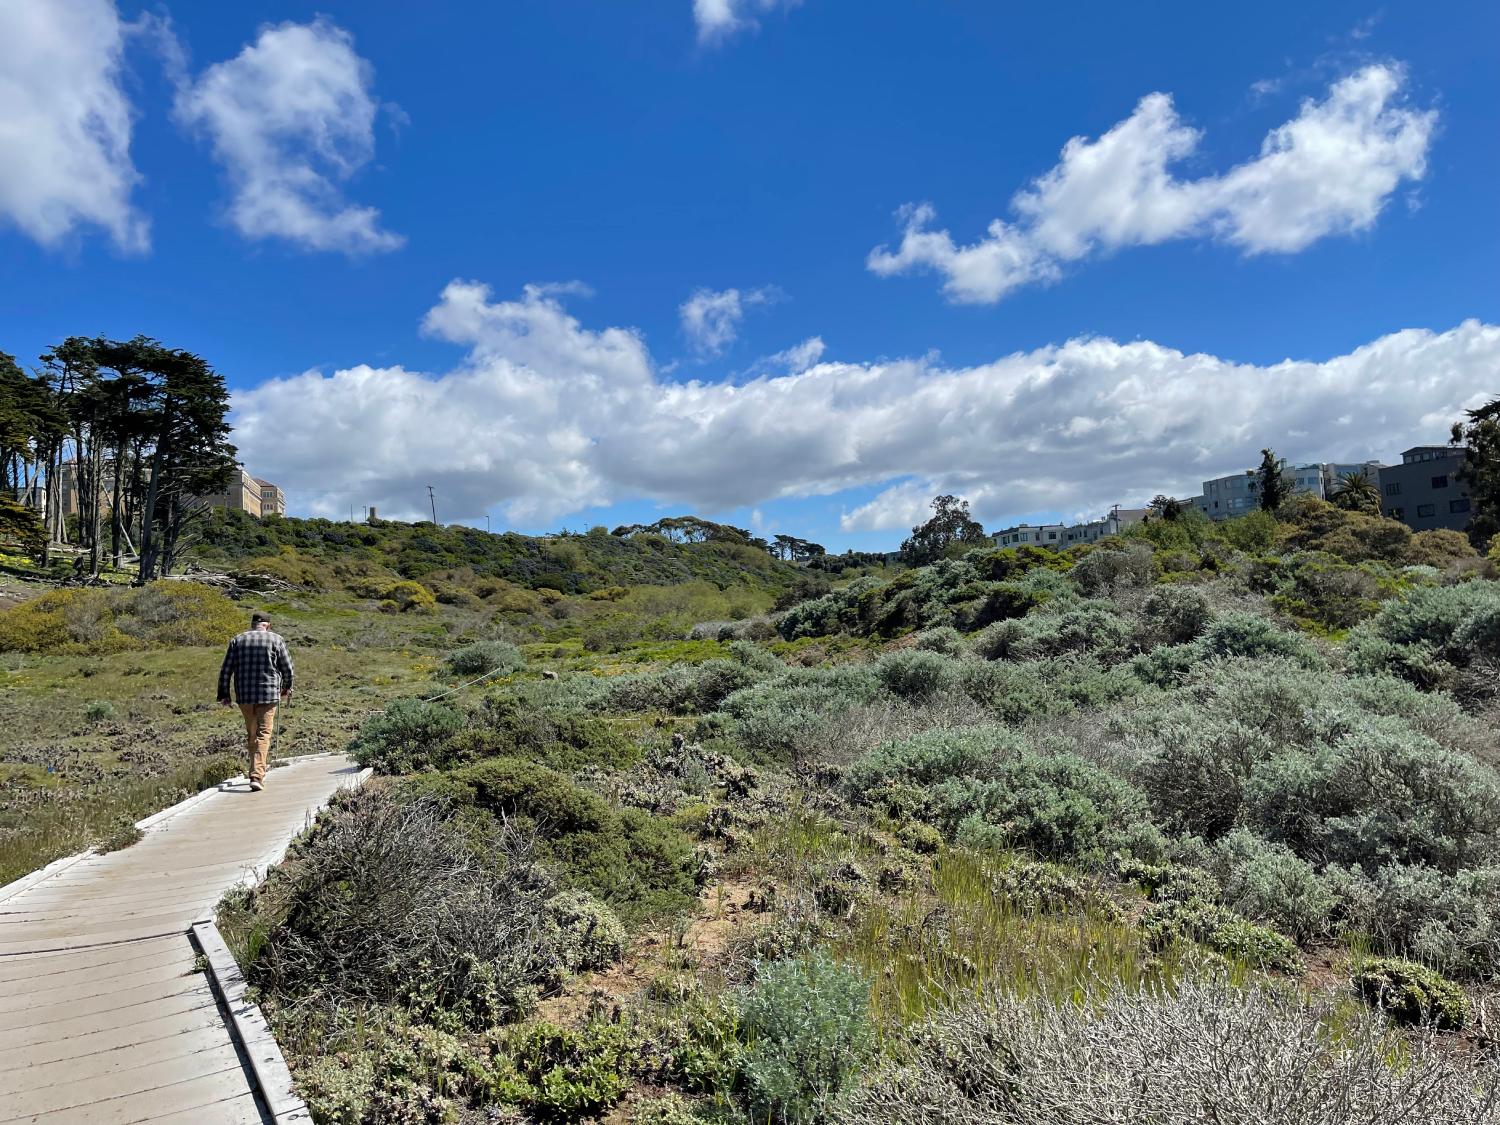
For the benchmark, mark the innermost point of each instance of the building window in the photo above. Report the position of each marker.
(1440, 482)
(1393, 488)
(1426, 510)
(1051, 535)
(1457, 506)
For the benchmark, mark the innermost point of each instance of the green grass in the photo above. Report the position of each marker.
(91, 743)
(46, 823)
(932, 948)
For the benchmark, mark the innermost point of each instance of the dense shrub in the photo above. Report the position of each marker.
(837, 612)
(1109, 569)
(391, 901)
(1334, 768)
(166, 614)
(1173, 615)
(1015, 691)
(1237, 634)
(482, 657)
(1058, 628)
(1355, 537)
(916, 673)
(1267, 882)
(410, 734)
(583, 932)
(636, 863)
(1221, 930)
(1411, 993)
(407, 597)
(1245, 634)
(544, 723)
(1369, 791)
(928, 759)
(564, 1073)
(944, 639)
(754, 657)
(1451, 922)
(286, 566)
(1322, 592)
(1203, 1050)
(1057, 807)
(1430, 634)
(682, 688)
(788, 718)
(809, 1034)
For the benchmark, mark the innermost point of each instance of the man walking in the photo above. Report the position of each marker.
(260, 668)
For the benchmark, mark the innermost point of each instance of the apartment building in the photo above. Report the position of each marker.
(1059, 535)
(70, 496)
(1117, 521)
(243, 494)
(251, 495)
(1039, 535)
(1424, 491)
(272, 499)
(1239, 493)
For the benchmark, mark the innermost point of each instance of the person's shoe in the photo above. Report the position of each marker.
(256, 787)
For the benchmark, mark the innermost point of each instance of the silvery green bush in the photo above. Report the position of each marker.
(1203, 1051)
(809, 1034)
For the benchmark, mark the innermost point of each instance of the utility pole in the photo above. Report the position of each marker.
(433, 500)
(486, 523)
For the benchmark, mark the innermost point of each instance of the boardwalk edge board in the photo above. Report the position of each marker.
(251, 1031)
(265, 1066)
(247, 1023)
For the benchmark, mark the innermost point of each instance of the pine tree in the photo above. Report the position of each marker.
(1480, 437)
(1272, 482)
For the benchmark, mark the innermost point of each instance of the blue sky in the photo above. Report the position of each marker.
(577, 262)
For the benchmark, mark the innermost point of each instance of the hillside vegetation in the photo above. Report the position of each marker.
(968, 842)
(462, 557)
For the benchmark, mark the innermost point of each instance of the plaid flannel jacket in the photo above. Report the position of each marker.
(259, 665)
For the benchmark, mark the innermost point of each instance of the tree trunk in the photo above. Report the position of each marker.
(96, 489)
(153, 488)
(114, 505)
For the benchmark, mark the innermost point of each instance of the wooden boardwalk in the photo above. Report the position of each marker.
(103, 1016)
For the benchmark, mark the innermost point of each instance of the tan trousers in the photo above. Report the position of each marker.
(260, 720)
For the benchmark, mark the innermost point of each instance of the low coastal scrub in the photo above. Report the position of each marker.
(1210, 807)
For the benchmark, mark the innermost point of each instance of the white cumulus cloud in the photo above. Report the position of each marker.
(1328, 171)
(548, 417)
(291, 118)
(65, 122)
(711, 318)
(717, 20)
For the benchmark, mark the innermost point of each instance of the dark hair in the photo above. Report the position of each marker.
(258, 617)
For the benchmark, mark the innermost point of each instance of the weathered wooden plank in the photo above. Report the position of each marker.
(82, 911)
(82, 1046)
(40, 965)
(188, 1095)
(95, 988)
(150, 1074)
(101, 1006)
(239, 1110)
(138, 1016)
(102, 1016)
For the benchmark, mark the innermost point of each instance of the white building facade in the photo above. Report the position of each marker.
(1239, 493)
